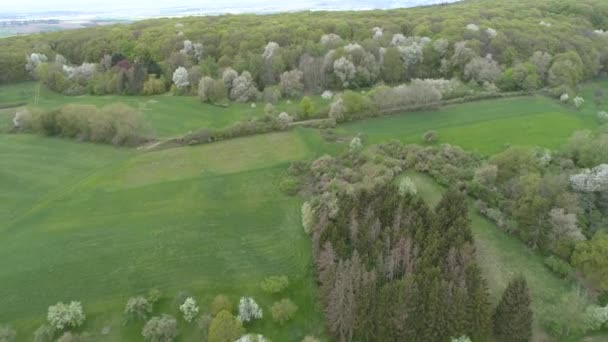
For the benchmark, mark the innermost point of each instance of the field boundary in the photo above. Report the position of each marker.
(191, 138)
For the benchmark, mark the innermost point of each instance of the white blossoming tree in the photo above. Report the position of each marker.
(593, 180)
(355, 145)
(61, 316)
(345, 71)
(189, 309)
(180, 78)
(578, 102)
(249, 310)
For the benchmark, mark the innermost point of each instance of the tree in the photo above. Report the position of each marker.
(482, 70)
(243, 88)
(180, 77)
(407, 187)
(430, 136)
(392, 66)
(160, 329)
(225, 328)
(205, 86)
(138, 308)
(578, 102)
(542, 62)
(7, 334)
(345, 71)
(513, 315)
(592, 258)
(189, 308)
(274, 284)
(567, 69)
(291, 83)
(283, 310)
(307, 107)
(221, 303)
(355, 146)
(249, 310)
(61, 316)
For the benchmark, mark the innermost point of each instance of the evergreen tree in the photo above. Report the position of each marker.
(513, 315)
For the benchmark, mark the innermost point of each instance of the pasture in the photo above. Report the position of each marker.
(486, 127)
(99, 225)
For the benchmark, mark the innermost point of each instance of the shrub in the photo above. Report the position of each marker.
(308, 217)
(7, 334)
(269, 109)
(153, 296)
(310, 339)
(160, 329)
(336, 110)
(564, 97)
(289, 185)
(225, 328)
(249, 310)
(189, 309)
(69, 336)
(62, 315)
(430, 136)
(559, 267)
(138, 308)
(154, 85)
(203, 323)
(307, 107)
(283, 310)
(355, 104)
(578, 102)
(44, 333)
(274, 284)
(221, 303)
(407, 187)
(602, 116)
(284, 120)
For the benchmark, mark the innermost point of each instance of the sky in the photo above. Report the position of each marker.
(204, 5)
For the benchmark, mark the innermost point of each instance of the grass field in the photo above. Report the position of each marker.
(167, 115)
(486, 126)
(502, 257)
(97, 224)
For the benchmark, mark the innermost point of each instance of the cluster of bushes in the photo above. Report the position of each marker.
(116, 124)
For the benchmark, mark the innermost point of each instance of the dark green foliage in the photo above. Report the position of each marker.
(513, 315)
(390, 268)
(559, 267)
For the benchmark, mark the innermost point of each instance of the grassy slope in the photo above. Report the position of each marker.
(486, 126)
(100, 227)
(502, 256)
(168, 115)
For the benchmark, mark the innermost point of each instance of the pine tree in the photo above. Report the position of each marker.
(513, 315)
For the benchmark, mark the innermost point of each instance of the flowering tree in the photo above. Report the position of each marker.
(355, 145)
(291, 83)
(180, 78)
(345, 71)
(593, 180)
(61, 316)
(284, 120)
(160, 329)
(578, 101)
(138, 308)
(189, 308)
(564, 98)
(249, 310)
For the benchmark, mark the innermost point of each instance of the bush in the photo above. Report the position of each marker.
(44, 333)
(116, 124)
(307, 107)
(602, 116)
(308, 217)
(62, 315)
(289, 185)
(283, 310)
(559, 267)
(160, 329)
(138, 308)
(274, 284)
(430, 136)
(355, 104)
(310, 339)
(221, 303)
(153, 296)
(7, 334)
